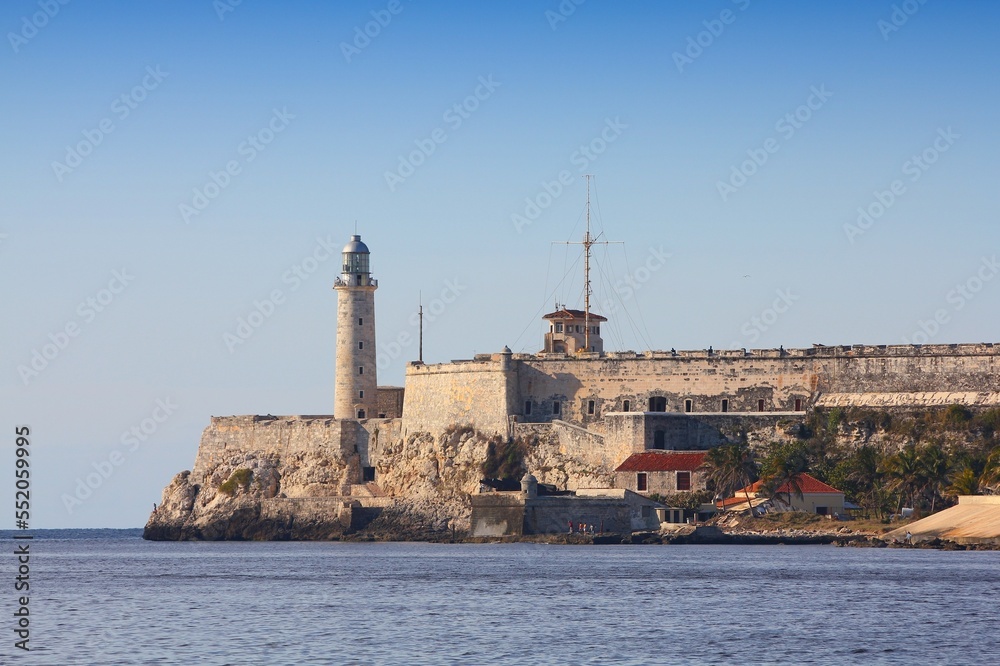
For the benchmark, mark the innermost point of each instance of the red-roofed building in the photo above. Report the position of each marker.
(567, 332)
(662, 472)
(817, 497)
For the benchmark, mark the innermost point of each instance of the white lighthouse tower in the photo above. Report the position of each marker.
(356, 390)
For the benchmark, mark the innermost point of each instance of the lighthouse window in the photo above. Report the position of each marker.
(361, 344)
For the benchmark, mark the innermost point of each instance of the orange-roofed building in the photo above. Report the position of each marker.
(662, 472)
(571, 330)
(817, 497)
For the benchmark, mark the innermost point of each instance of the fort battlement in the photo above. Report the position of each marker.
(493, 390)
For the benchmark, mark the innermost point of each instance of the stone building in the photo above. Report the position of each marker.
(573, 331)
(662, 472)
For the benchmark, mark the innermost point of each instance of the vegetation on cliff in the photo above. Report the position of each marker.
(885, 460)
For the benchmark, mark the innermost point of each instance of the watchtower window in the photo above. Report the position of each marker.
(361, 321)
(361, 344)
(361, 395)
(688, 405)
(559, 328)
(626, 406)
(657, 404)
(358, 280)
(361, 369)
(725, 405)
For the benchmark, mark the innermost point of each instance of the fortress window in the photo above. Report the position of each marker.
(688, 405)
(683, 481)
(527, 408)
(798, 405)
(559, 328)
(361, 395)
(555, 406)
(590, 406)
(659, 439)
(725, 405)
(579, 329)
(626, 406)
(657, 404)
(361, 321)
(760, 405)
(361, 344)
(361, 413)
(640, 482)
(361, 369)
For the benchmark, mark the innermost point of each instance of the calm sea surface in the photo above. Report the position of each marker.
(111, 598)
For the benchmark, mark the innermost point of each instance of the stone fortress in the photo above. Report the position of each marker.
(416, 452)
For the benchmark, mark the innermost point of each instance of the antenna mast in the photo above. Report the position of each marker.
(420, 312)
(588, 242)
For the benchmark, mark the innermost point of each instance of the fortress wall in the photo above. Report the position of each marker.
(464, 392)
(706, 381)
(778, 377)
(229, 436)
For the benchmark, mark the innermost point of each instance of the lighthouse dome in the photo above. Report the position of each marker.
(356, 246)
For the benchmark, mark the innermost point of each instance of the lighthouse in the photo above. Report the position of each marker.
(356, 388)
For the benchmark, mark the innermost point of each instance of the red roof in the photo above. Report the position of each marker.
(807, 483)
(566, 313)
(663, 461)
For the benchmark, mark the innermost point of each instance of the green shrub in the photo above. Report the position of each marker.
(240, 478)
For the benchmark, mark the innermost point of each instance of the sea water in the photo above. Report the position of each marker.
(111, 598)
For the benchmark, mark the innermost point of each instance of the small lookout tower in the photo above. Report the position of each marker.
(356, 392)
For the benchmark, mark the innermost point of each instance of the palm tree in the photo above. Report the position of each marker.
(965, 482)
(866, 474)
(905, 474)
(731, 467)
(991, 472)
(934, 468)
(784, 468)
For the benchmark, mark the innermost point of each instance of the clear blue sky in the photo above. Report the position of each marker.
(158, 96)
